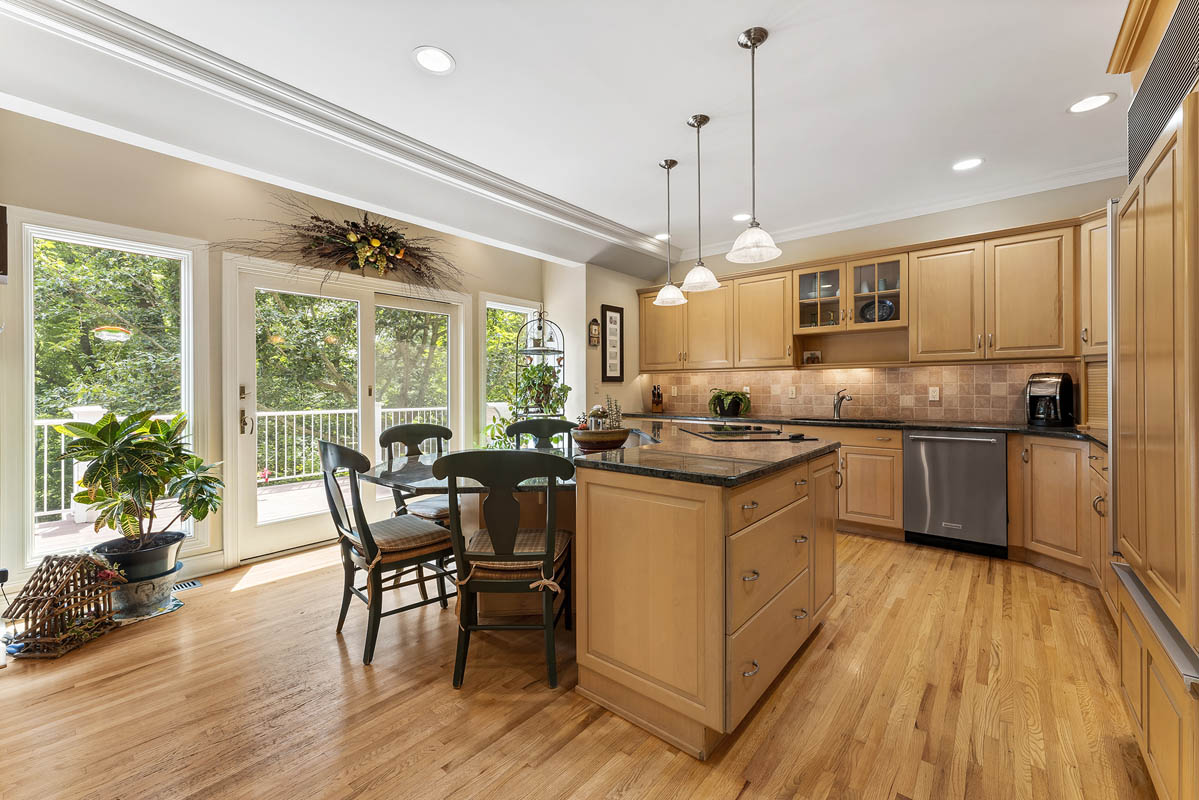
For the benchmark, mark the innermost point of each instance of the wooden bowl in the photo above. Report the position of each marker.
(590, 441)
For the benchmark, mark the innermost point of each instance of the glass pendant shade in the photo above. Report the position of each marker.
(753, 246)
(669, 295)
(700, 279)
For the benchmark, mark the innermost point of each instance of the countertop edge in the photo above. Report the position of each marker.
(725, 481)
(925, 425)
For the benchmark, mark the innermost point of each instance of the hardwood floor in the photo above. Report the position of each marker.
(937, 675)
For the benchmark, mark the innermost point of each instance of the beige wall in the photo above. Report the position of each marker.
(52, 168)
(605, 287)
(1030, 209)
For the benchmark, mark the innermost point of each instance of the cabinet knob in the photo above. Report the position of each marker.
(750, 506)
(801, 540)
(803, 614)
(752, 672)
(751, 577)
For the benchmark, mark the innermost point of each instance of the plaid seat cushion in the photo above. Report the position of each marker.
(434, 507)
(527, 540)
(408, 534)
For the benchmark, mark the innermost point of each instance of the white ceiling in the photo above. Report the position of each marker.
(862, 105)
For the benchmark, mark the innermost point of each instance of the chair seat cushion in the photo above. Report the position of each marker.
(527, 540)
(407, 535)
(435, 507)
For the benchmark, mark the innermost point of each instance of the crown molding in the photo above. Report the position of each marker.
(135, 41)
(1055, 180)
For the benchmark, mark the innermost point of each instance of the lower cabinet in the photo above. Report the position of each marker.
(1164, 714)
(823, 481)
(1049, 505)
(872, 487)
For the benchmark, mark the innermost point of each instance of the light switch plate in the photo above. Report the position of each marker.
(934, 393)
(791, 392)
(745, 389)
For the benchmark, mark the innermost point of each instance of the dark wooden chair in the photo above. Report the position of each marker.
(397, 545)
(543, 430)
(412, 435)
(503, 557)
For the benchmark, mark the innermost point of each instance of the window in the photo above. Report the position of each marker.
(503, 322)
(109, 334)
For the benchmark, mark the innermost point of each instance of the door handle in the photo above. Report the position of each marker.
(244, 421)
(801, 540)
(840, 480)
(752, 672)
(1095, 505)
(788, 350)
(923, 438)
(1084, 334)
(753, 577)
(991, 340)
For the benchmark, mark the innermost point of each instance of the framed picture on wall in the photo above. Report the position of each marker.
(612, 323)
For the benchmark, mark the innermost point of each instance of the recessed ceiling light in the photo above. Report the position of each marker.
(433, 59)
(967, 163)
(661, 237)
(741, 218)
(1093, 102)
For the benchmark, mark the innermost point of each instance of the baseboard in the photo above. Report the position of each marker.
(1050, 564)
(203, 564)
(877, 531)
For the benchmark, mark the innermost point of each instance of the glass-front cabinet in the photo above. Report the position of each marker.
(878, 288)
(819, 298)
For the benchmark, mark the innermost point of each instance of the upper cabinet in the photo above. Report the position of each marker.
(708, 329)
(662, 333)
(947, 303)
(818, 304)
(1030, 295)
(762, 321)
(878, 287)
(1092, 279)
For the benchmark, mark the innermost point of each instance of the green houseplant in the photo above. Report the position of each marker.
(538, 387)
(728, 403)
(134, 465)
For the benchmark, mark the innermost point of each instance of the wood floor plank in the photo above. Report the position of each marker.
(936, 675)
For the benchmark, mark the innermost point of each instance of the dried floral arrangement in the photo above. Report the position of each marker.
(369, 243)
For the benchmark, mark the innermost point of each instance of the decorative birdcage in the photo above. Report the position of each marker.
(66, 602)
(539, 345)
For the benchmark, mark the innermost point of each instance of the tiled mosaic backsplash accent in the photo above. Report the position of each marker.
(969, 392)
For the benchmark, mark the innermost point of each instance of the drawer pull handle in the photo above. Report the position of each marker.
(802, 482)
(840, 479)
(882, 438)
(752, 577)
(1105, 469)
(801, 540)
(750, 506)
(752, 672)
(803, 614)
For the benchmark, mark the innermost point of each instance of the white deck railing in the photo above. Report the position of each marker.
(287, 448)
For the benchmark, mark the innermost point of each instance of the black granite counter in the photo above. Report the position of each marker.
(678, 456)
(1098, 436)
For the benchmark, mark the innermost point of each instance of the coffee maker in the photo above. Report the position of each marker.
(1049, 399)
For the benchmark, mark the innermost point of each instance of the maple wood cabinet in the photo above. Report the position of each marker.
(819, 302)
(661, 332)
(1092, 281)
(1030, 295)
(946, 299)
(695, 335)
(872, 486)
(762, 321)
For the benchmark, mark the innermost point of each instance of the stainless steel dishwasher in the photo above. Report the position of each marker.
(955, 490)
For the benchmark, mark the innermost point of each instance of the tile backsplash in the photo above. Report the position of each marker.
(968, 392)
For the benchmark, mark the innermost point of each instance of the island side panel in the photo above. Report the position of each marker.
(650, 566)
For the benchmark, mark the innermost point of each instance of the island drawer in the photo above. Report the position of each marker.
(758, 500)
(851, 437)
(759, 651)
(764, 557)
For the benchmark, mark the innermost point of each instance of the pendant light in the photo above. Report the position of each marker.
(754, 245)
(668, 295)
(699, 277)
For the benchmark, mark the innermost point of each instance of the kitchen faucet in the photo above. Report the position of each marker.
(838, 400)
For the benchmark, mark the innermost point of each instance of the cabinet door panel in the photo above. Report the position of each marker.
(1030, 295)
(762, 320)
(1164, 704)
(1093, 280)
(873, 488)
(1055, 500)
(823, 552)
(818, 302)
(1162, 402)
(945, 295)
(1126, 381)
(709, 329)
(1097, 527)
(1132, 666)
(661, 335)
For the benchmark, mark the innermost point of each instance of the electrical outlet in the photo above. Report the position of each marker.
(791, 392)
(934, 393)
(745, 389)
(674, 391)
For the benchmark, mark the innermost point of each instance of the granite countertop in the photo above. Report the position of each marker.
(679, 456)
(1097, 435)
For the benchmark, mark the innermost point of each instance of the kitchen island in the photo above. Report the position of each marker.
(702, 568)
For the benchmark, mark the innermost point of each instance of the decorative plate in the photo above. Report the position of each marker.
(884, 311)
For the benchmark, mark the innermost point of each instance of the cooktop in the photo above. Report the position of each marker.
(725, 432)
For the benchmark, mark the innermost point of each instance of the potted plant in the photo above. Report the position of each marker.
(538, 387)
(728, 403)
(134, 465)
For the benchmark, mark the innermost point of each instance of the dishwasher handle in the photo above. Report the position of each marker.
(923, 438)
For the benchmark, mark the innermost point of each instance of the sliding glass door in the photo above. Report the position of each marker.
(317, 363)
